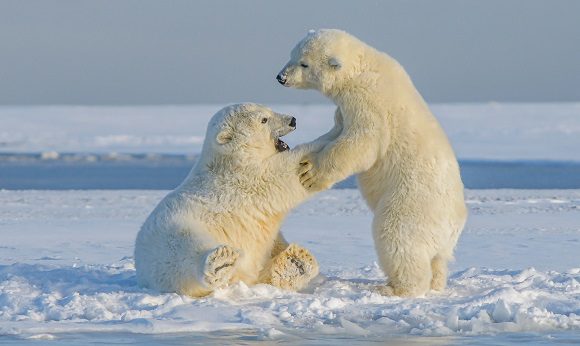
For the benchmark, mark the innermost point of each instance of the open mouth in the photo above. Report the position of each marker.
(281, 145)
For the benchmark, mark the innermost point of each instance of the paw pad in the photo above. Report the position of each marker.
(219, 266)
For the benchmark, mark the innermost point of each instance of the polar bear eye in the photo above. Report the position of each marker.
(264, 120)
(303, 65)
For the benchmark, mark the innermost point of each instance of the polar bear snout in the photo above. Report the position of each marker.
(288, 124)
(283, 124)
(282, 78)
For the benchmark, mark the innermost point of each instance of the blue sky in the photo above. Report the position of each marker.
(188, 52)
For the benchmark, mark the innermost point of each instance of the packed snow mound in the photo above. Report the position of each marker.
(37, 299)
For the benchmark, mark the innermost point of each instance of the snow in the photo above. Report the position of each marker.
(489, 131)
(67, 273)
(66, 267)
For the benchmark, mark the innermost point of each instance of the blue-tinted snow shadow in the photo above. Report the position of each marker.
(70, 279)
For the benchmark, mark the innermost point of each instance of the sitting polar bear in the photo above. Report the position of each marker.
(221, 224)
(384, 131)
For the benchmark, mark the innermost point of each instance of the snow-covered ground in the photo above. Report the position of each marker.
(66, 267)
(477, 131)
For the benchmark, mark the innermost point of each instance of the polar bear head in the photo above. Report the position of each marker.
(323, 60)
(247, 132)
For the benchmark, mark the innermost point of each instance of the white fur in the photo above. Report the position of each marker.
(221, 224)
(385, 133)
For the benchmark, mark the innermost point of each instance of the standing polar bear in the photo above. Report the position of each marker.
(384, 131)
(221, 224)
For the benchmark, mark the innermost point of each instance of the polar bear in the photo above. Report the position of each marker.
(221, 224)
(385, 133)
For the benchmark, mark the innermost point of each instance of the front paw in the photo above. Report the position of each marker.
(310, 176)
(313, 181)
(317, 185)
(306, 166)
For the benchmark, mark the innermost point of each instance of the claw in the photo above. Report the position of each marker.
(303, 170)
(307, 179)
(305, 167)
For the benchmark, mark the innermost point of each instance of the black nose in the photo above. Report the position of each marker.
(281, 78)
(293, 122)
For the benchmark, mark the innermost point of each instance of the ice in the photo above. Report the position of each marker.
(501, 312)
(497, 131)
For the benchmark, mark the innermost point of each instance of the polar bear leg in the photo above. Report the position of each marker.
(280, 244)
(219, 266)
(291, 269)
(439, 270)
(408, 272)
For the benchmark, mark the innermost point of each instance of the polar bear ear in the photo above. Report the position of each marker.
(335, 63)
(224, 136)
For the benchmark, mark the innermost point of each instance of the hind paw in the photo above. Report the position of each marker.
(293, 268)
(219, 266)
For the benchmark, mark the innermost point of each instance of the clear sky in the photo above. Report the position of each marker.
(185, 52)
